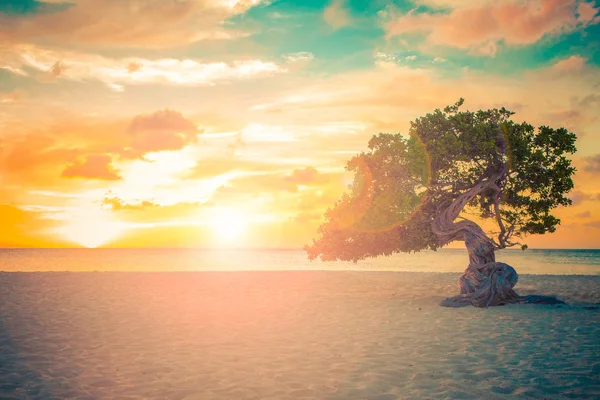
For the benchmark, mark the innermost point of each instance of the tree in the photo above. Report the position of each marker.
(411, 194)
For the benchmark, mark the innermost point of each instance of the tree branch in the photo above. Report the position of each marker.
(444, 227)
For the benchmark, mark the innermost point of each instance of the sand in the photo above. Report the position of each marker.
(291, 335)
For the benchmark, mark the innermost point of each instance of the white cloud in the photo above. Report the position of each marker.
(299, 56)
(116, 87)
(118, 72)
(388, 57)
(392, 58)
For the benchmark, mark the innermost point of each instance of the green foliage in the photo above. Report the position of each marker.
(402, 183)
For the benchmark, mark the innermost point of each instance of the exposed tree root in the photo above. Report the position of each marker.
(492, 285)
(485, 282)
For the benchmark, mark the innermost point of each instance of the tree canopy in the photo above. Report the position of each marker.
(404, 182)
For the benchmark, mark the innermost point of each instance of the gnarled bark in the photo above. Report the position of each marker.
(485, 282)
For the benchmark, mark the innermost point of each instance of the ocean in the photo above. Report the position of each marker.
(533, 261)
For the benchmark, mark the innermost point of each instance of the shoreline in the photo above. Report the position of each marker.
(228, 271)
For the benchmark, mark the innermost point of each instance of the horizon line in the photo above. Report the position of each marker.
(260, 248)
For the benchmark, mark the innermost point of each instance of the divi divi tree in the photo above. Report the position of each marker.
(477, 177)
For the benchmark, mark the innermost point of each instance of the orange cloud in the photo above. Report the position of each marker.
(584, 214)
(37, 154)
(26, 228)
(578, 197)
(592, 163)
(143, 23)
(162, 130)
(480, 27)
(93, 167)
(336, 14)
(33, 159)
(570, 65)
(34, 153)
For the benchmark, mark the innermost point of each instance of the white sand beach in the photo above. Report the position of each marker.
(291, 335)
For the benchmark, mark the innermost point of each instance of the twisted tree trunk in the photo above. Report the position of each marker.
(485, 281)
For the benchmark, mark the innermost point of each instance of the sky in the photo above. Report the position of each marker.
(209, 123)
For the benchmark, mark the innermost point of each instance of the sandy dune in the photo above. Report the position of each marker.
(290, 335)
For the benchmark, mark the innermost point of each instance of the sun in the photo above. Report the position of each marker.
(228, 225)
(92, 235)
(91, 228)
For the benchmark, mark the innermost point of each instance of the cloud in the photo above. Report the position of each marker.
(11, 97)
(243, 188)
(390, 95)
(306, 176)
(336, 14)
(573, 119)
(386, 57)
(214, 166)
(149, 211)
(579, 197)
(76, 66)
(23, 228)
(387, 97)
(593, 224)
(116, 204)
(302, 189)
(163, 120)
(34, 152)
(92, 167)
(450, 4)
(33, 157)
(164, 130)
(589, 101)
(574, 63)
(301, 56)
(141, 23)
(481, 27)
(585, 214)
(383, 57)
(592, 163)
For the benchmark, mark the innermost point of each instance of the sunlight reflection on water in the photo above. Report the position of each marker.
(570, 262)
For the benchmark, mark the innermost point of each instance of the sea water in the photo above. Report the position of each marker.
(533, 261)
